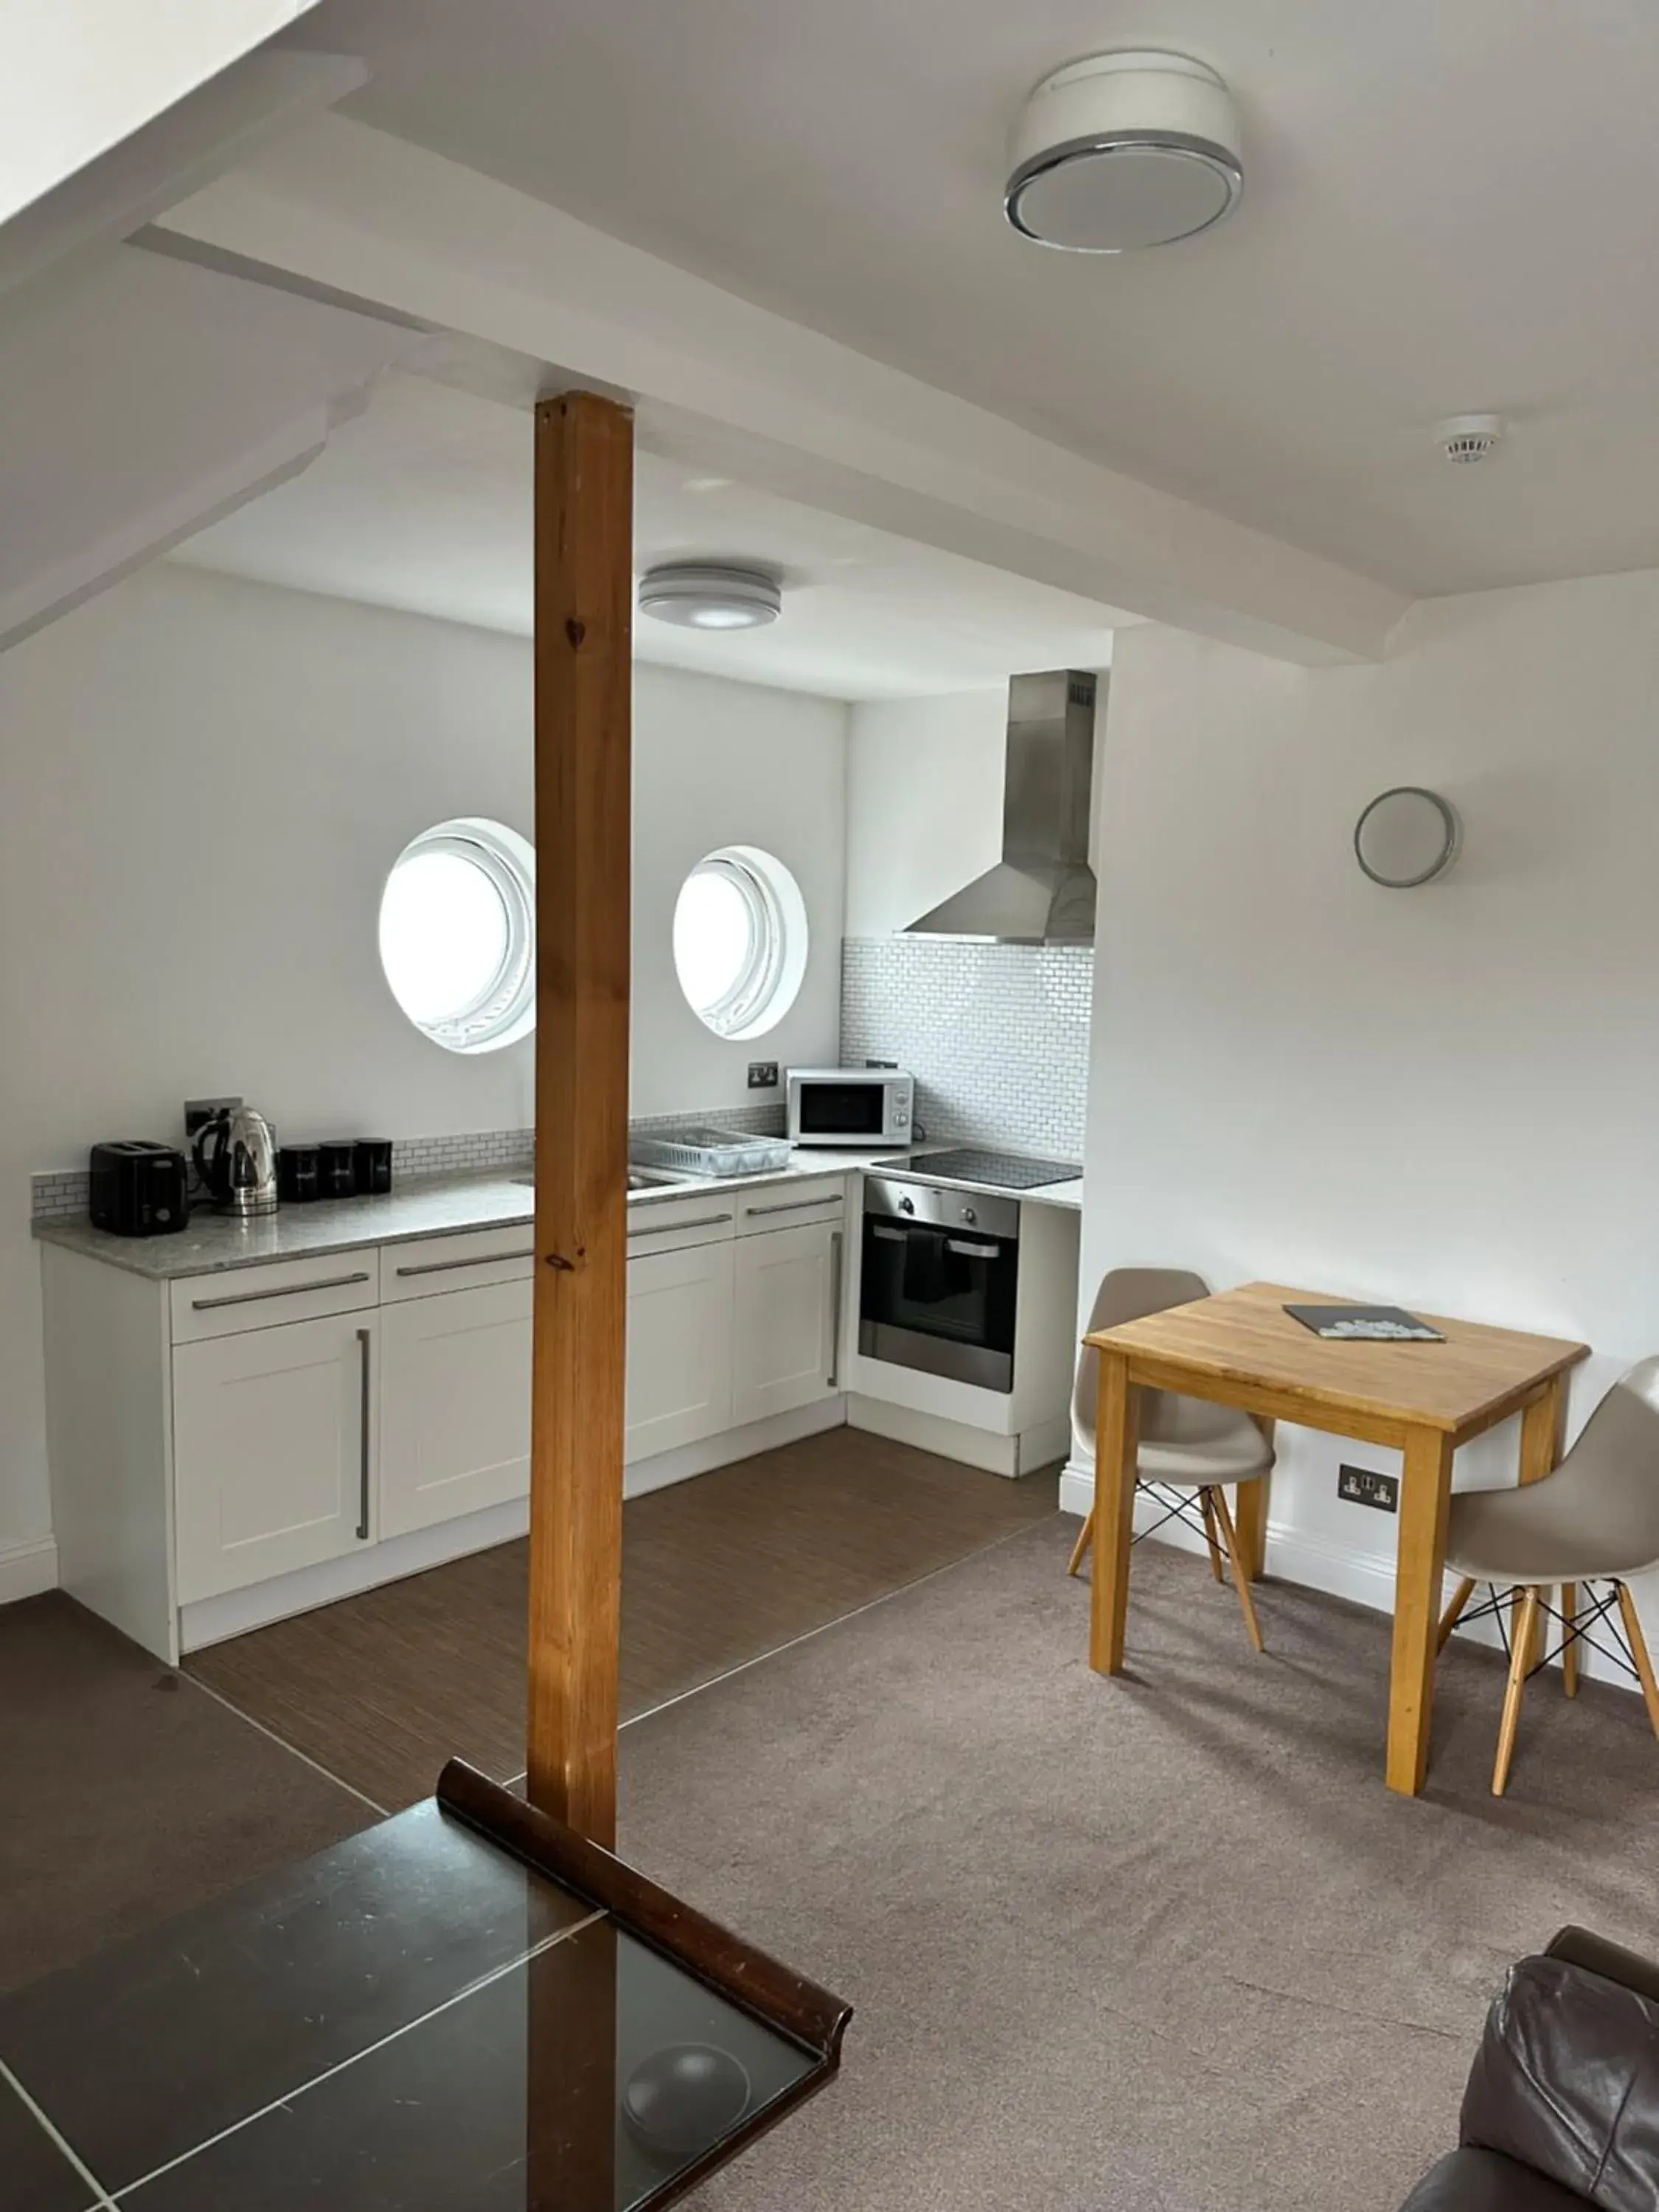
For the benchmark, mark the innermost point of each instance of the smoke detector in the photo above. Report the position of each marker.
(1468, 437)
(1123, 150)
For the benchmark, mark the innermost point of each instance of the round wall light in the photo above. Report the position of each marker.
(710, 595)
(1121, 151)
(1407, 836)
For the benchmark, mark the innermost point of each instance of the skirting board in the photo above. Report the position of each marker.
(26, 1569)
(1315, 1562)
(983, 1448)
(213, 1620)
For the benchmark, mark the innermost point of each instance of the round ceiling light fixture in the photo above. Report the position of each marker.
(710, 595)
(1121, 151)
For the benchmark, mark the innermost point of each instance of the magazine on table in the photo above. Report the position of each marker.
(1366, 1324)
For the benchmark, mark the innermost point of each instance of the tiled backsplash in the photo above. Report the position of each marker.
(65, 1191)
(997, 1035)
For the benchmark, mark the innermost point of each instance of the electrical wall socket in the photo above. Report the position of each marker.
(200, 1111)
(1363, 1485)
(763, 1075)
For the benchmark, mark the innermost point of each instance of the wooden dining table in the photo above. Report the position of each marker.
(1241, 1348)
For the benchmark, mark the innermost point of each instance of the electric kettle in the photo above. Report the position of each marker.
(235, 1156)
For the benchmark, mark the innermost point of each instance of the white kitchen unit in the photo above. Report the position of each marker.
(679, 1347)
(273, 1451)
(787, 1319)
(231, 1447)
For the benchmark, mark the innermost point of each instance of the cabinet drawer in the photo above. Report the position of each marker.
(674, 1225)
(428, 1265)
(791, 1204)
(284, 1290)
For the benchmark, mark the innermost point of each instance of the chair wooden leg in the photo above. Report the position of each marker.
(1454, 1611)
(1520, 1656)
(1080, 1550)
(1638, 1652)
(1569, 1649)
(1207, 1503)
(1240, 1579)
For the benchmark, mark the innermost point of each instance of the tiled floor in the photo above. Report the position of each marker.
(381, 1689)
(132, 1793)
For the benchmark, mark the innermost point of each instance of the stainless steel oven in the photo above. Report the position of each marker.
(940, 1279)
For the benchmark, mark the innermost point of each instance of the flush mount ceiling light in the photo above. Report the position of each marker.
(1123, 150)
(710, 595)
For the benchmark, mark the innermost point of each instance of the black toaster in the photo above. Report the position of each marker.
(138, 1189)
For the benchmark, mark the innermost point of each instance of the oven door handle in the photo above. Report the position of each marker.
(973, 1251)
(887, 1236)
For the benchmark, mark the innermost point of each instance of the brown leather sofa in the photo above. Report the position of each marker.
(1562, 2108)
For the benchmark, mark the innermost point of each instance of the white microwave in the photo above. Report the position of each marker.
(869, 1106)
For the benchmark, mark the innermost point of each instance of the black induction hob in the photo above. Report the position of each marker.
(1001, 1170)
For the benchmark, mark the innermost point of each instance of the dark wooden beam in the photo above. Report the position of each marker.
(584, 612)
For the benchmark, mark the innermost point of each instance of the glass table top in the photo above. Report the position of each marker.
(412, 2019)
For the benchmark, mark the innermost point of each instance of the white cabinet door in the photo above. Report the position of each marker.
(787, 1320)
(454, 1405)
(274, 1448)
(679, 1347)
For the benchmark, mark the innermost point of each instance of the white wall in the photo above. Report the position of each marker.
(203, 783)
(718, 763)
(1448, 1097)
(924, 803)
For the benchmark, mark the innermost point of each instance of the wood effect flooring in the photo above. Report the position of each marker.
(382, 1688)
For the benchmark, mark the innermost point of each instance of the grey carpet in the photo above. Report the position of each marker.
(1164, 1943)
(128, 1792)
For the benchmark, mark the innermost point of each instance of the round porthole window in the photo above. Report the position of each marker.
(458, 934)
(740, 941)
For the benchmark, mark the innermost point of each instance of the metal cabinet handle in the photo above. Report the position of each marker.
(365, 1338)
(668, 1228)
(972, 1251)
(795, 1204)
(445, 1267)
(887, 1236)
(835, 1242)
(288, 1291)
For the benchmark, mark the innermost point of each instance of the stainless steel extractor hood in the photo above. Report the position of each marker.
(1042, 889)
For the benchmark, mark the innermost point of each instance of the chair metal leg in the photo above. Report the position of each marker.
(1080, 1550)
(1569, 1650)
(1521, 1643)
(1206, 1501)
(1639, 1652)
(1449, 1618)
(1241, 1580)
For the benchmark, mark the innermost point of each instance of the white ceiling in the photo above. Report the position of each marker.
(1446, 208)
(423, 502)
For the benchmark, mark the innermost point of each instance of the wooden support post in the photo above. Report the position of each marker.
(584, 474)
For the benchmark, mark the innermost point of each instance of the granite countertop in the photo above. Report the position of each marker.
(430, 1206)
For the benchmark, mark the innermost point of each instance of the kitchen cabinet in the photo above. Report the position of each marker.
(236, 1445)
(455, 1398)
(787, 1308)
(274, 1450)
(679, 1347)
